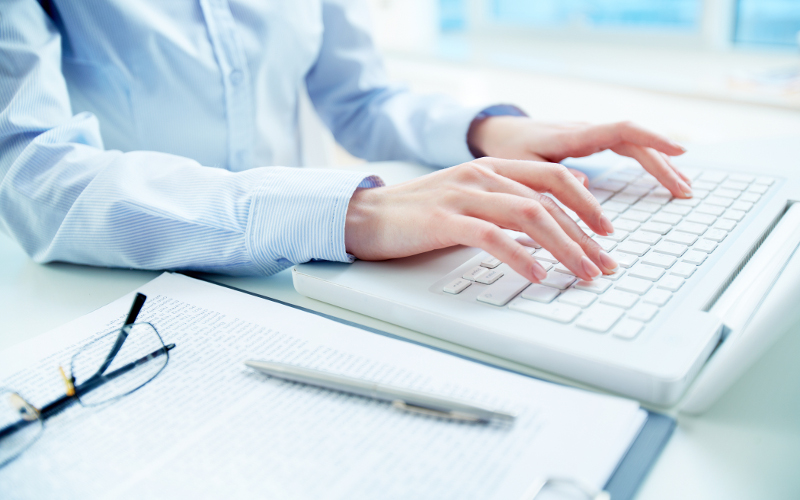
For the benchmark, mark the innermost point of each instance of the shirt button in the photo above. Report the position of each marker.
(235, 77)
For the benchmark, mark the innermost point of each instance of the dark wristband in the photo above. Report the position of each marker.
(496, 110)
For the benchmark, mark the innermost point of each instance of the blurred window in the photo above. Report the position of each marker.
(768, 22)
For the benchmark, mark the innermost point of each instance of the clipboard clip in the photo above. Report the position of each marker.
(452, 415)
(539, 484)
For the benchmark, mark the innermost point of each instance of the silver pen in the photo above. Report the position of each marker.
(403, 399)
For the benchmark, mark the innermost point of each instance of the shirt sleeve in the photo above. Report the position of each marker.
(64, 198)
(370, 117)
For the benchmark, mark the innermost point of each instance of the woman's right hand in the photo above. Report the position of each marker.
(469, 204)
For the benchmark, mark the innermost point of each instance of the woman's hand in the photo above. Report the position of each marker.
(469, 204)
(525, 139)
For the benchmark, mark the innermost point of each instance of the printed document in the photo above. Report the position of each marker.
(209, 427)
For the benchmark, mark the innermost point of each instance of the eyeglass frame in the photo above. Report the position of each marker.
(99, 378)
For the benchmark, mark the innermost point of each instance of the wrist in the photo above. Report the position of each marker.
(479, 136)
(359, 228)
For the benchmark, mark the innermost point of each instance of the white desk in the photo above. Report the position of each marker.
(747, 446)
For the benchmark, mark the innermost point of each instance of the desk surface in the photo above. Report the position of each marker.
(747, 446)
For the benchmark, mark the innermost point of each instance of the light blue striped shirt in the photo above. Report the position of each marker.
(164, 134)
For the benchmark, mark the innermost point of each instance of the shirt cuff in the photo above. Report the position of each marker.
(298, 214)
(495, 110)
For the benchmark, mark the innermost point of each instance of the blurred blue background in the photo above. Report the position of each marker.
(756, 22)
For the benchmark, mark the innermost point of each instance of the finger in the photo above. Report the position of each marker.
(608, 135)
(556, 179)
(683, 176)
(582, 178)
(536, 220)
(654, 163)
(486, 236)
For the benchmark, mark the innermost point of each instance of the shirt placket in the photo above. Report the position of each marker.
(229, 52)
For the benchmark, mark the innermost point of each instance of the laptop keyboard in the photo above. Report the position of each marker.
(659, 243)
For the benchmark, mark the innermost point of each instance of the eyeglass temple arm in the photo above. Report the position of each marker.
(96, 381)
(136, 307)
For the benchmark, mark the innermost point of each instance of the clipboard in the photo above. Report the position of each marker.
(630, 471)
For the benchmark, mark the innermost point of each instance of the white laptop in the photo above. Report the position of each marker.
(693, 275)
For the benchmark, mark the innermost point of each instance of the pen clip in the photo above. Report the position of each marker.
(452, 415)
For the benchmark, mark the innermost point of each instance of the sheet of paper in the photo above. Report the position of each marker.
(208, 427)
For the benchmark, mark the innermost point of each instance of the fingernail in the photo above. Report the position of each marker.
(685, 189)
(606, 224)
(538, 271)
(607, 262)
(589, 268)
(676, 145)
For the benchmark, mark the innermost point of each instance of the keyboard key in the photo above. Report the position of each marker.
(626, 225)
(615, 275)
(656, 227)
(605, 244)
(645, 237)
(712, 176)
(758, 188)
(474, 273)
(666, 218)
(661, 260)
(646, 206)
(742, 178)
(563, 269)
(577, 297)
(457, 286)
(767, 181)
(490, 262)
(558, 280)
(705, 185)
(647, 181)
(633, 247)
(600, 318)
(694, 257)
(545, 255)
(731, 184)
(601, 195)
(610, 185)
(623, 259)
(699, 194)
(710, 209)
(610, 215)
(715, 235)
(504, 290)
(627, 329)
(633, 285)
(556, 311)
(671, 283)
(670, 248)
(643, 312)
(725, 224)
(489, 277)
(661, 199)
(657, 296)
(705, 245)
(613, 206)
(690, 202)
(540, 293)
(616, 236)
(619, 298)
(676, 209)
(683, 270)
(719, 201)
(736, 215)
(727, 193)
(636, 215)
(627, 199)
(681, 237)
(691, 227)
(650, 273)
(598, 285)
(701, 218)
(744, 206)
(661, 191)
(750, 197)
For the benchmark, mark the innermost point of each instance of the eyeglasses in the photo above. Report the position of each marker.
(110, 367)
